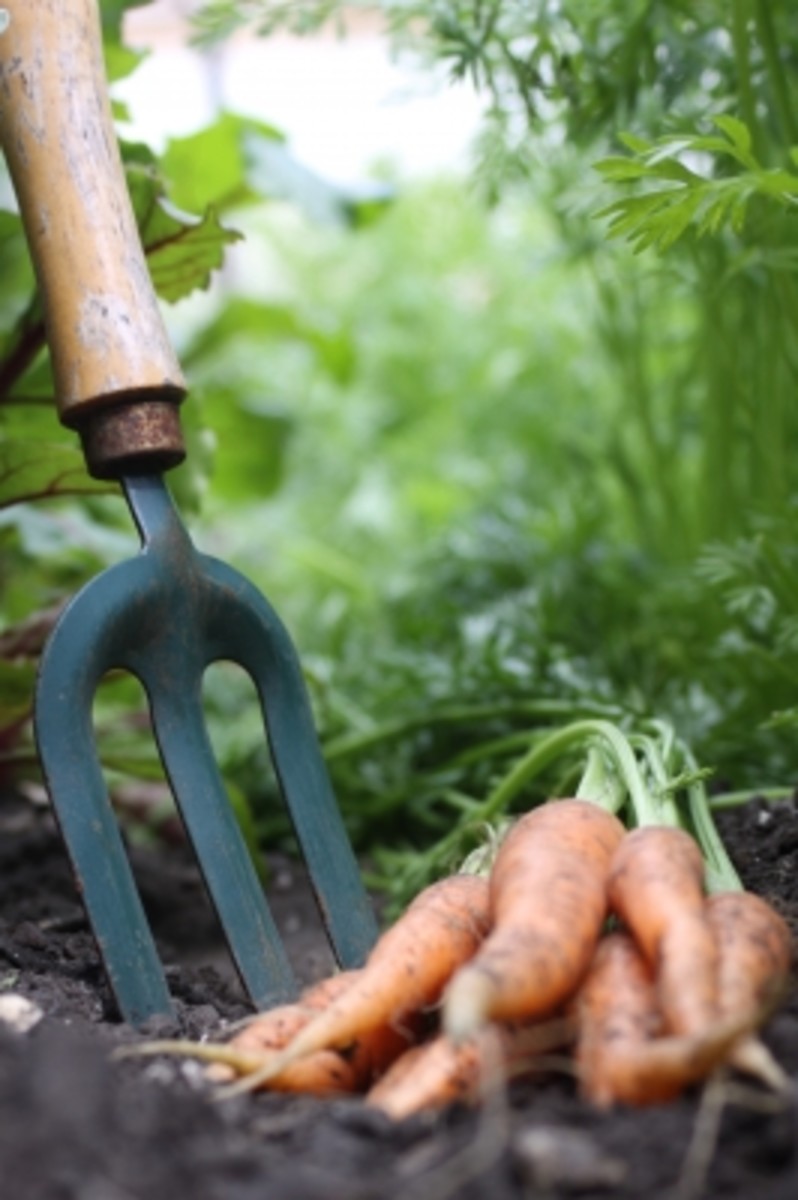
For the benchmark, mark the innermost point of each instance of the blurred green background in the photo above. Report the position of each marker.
(502, 446)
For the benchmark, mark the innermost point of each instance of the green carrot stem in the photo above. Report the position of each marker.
(780, 91)
(653, 755)
(463, 714)
(726, 800)
(599, 783)
(721, 873)
(566, 739)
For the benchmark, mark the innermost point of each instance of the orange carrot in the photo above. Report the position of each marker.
(442, 1072)
(755, 946)
(755, 950)
(324, 1073)
(274, 1028)
(548, 902)
(657, 889)
(620, 1058)
(267, 1032)
(404, 974)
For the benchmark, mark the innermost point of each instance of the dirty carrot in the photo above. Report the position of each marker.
(324, 1073)
(274, 1028)
(755, 948)
(620, 1057)
(656, 887)
(404, 974)
(548, 890)
(442, 1072)
(265, 1033)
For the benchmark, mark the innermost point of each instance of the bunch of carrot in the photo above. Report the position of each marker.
(582, 934)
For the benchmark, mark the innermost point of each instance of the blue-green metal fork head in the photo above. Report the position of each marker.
(165, 616)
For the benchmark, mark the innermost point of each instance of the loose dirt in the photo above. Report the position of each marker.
(76, 1124)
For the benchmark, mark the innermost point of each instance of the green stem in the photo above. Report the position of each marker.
(459, 800)
(356, 743)
(668, 812)
(781, 92)
(495, 748)
(563, 740)
(721, 873)
(599, 784)
(741, 13)
(727, 800)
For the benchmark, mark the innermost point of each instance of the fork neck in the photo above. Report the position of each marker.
(155, 514)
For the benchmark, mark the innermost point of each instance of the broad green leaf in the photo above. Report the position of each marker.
(34, 470)
(112, 13)
(252, 442)
(120, 61)
(241, 319)
(209, 167)
(139, 156)
(16, 272)
(182, 251)
(181, 254)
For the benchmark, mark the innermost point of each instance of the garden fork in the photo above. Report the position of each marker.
(170, 612)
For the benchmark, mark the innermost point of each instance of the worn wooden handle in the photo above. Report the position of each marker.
(106, 336)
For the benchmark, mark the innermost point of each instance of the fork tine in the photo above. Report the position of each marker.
(226, 864)
(257, 640)
(74, 661)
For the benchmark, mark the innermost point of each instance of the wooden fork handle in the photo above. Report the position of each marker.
(117, 379)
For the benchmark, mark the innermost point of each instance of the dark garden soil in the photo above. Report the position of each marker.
(74, 1123)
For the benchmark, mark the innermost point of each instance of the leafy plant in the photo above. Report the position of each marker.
(708, 202)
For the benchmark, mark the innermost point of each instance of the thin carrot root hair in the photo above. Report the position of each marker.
(322, 1074)
(752, 1057)
(241, 1061)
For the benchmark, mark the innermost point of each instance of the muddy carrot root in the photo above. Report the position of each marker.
(656, 887)
(756, 950)
(274, 1027)
(548, 904)
(324, 1074)
(620, 1057)
(266, 1032)
(441, 1072)
(437, 1074)
(404, 974)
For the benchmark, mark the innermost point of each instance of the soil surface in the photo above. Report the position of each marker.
(76, 1123)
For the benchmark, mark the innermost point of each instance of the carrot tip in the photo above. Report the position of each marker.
(466, 1004)
(752, 1057)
